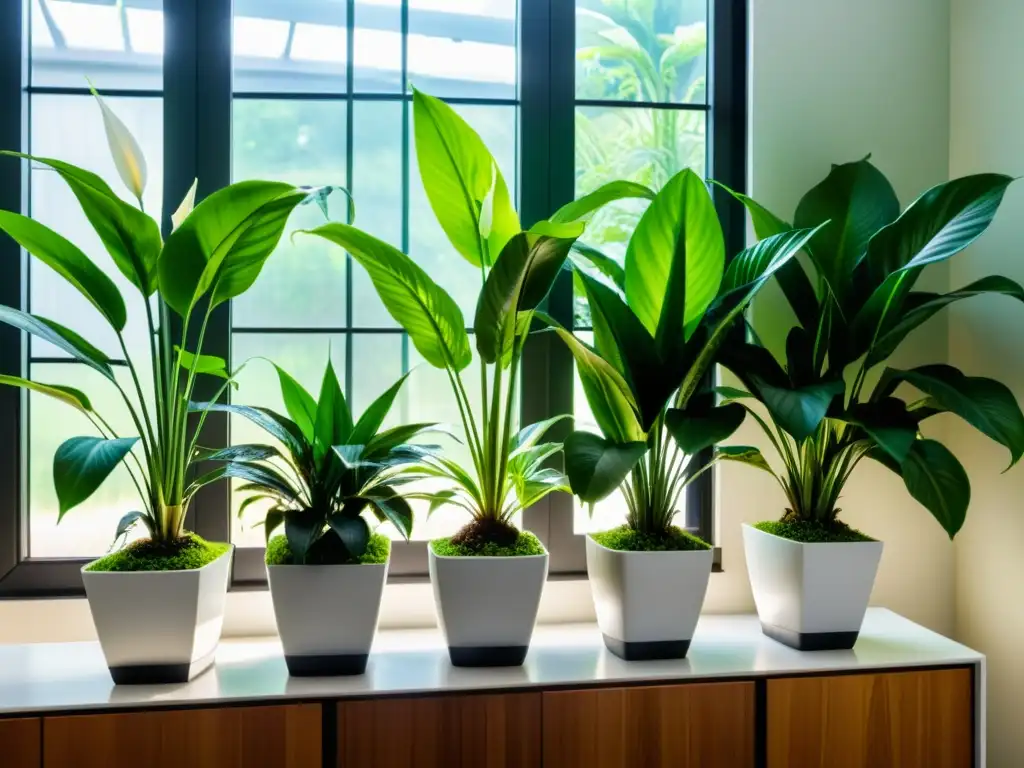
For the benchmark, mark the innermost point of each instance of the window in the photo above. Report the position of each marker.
(566, 93)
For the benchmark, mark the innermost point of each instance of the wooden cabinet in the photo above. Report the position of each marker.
(682, 726)
(884, 720)
(21, 743)
(467, 731)
(226, 737)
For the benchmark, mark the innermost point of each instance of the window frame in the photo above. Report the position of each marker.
(197, 91)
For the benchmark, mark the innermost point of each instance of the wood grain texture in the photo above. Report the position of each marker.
(886, 720)
(680, 726)
(21, 743)
(474, 731)
(228, 737)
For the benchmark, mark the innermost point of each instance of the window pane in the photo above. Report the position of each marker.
(377, 45)
(118, 45)
(302, 142)
(654, 50)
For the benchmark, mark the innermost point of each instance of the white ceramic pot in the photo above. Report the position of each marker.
(647, 603)
(811, 597)
(159, 626)
(487, 606)
(326, 615)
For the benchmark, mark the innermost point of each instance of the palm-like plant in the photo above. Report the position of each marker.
(215, 253)
(657, 332)
(332, 469)
(829, 407)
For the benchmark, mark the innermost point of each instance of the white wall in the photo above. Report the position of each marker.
(987, 134)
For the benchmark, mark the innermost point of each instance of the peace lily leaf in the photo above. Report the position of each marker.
(675, 259)
(127, 154)
(603, 263)
(61, 337)
(272, 521)
(243, 452)
(209, 364)
(596, 467)
(281, 428)
(372, 418)
(68, 395)
(888, 423)
(302, 528)
(64, 258)
(799, 411)
(353, 532)
(333, 419)
(457, 172)
(745, 454)
(427, 313)
(939, 482)
(600, 197)
(265, 476)
(700, 429)
(80, 466)
(395, 509)
(530, 435)
(185, 207)
(127, 522)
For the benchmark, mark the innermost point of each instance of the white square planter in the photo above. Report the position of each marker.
(159, 626)
(487, 606)
(647, 603)
(326, 615)
(811, 597)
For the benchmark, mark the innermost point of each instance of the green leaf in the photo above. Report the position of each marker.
(299, 404)
(124, 149)
(518, 282)
(859, 201)
(381, 444)
(600, 197)
(919, 307)
(263, 476)
(985, 404)
(61, 337)
(427, 313)
(281, 428)
(394, 508)
(130, 236)
(530, 435)
(208, 364)
(303, 528)
(765, 222)
(128, 521)
(602, 262)
(675, 259)
(438, 500)
(272, 521)
(458, 173)
(248, 501)
(333, 418)
(353, 532)
(939, 482)
(596, 467)
(745, 454)
(535, 486)
(799, 411)
(65, 258)
(698, 429)
(81, 464)
(68, 395)
(242, 452)
(221, 247)
(888, 423)
(368, 424)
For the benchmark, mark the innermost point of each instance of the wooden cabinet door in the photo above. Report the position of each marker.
(21, 743)
(885, 720)
(227, 737)
(467, 731)
(695, 725)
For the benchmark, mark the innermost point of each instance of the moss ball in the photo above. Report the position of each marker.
(812, 532)
(185, 554)
(526, 544)
(626, 539)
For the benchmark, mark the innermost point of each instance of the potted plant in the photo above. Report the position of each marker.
(157, 603)
(488, 577)
(831, 403)
(658, 324)
(327, 572)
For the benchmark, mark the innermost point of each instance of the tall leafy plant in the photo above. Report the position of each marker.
(833, 400)
(517, 268)
(215, 252)
(658, 328)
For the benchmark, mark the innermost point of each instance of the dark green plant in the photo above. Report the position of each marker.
(332, 470)
(214, 254)
(657, 330)
(828, 406)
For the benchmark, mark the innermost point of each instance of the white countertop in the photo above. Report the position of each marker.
(72, 676)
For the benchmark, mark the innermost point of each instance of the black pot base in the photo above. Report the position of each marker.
(488, 656)
(327, 666)
(648, 651)
(811, 641)
(160, 674)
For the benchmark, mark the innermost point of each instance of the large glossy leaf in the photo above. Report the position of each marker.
(521, 278)
(596, 466)
(587, 255)
(381, 444)
(278, 426)
(888, 422)
(600, 197)
(530, 435)
(985, 404)
(130, 236)
(242, 452)
(68, 395)
(61, 337)
(798, 411)
(368, 424)
(393, 508)
(302, 528)
(533, 487)
(675, 259)
(81, 464)
(222, 245)
(918, 308)
(299, 404)
(427, 313)
(65, 258)
(744, 454)
(459, 174)
(208, 364)
(939, 482)
(333, 418)
(858, 200)
(353, 532)
(264, 477)
(700, 428)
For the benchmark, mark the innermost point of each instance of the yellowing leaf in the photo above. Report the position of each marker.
(187, 204)
(128, 158)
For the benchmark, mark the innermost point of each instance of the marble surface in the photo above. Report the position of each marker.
(72, 676)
